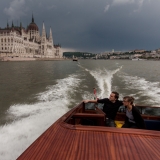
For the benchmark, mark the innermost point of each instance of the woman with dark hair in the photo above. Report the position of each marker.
(133, 116)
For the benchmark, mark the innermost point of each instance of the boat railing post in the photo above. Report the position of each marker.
(95, 97)
(83, 107)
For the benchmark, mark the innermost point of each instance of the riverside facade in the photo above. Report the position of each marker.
(16, 41)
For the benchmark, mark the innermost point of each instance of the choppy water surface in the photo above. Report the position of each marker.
(33, 95)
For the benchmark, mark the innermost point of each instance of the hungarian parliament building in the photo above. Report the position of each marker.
(16, 41)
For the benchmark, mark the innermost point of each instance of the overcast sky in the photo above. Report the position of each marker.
(90, 25)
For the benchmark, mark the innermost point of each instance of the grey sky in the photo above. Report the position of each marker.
(90, 25)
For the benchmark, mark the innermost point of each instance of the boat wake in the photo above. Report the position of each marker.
(147, 92)
(31, 120)
(103, 78)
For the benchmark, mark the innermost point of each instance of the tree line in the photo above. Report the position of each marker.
(78, 54)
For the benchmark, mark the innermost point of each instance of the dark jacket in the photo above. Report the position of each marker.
(110, 108)
(138, 118)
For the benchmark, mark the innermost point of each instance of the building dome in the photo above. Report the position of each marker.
(33, 26)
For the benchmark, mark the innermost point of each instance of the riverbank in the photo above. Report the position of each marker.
(7, 59)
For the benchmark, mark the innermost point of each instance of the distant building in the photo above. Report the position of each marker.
(113, 52)
(139, 50)
(158, 50)
(16, 41)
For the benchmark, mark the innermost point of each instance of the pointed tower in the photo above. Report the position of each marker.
(20, 25)
(32, 18)
(43, 33)
(43, 42)
(7, 24)
(12, 25)
(50, 37)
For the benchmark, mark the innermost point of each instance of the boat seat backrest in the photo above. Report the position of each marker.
(152, 124)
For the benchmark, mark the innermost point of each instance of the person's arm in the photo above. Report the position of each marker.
(90, 101)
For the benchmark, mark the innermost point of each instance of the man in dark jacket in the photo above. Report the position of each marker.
(110, 108)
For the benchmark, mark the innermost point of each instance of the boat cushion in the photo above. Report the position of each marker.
(119, 124)
(152, 124)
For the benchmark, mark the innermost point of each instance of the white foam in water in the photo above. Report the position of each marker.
(144, 87)
(63, 89)
(32, 120)
(87, 95)
(104, 80)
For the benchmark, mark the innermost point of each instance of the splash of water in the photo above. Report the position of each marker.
(31, 120)
(143, 87)
(104, 80)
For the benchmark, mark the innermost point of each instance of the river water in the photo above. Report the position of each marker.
(35, 94)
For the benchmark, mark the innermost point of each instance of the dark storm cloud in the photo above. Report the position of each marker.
(91, 25)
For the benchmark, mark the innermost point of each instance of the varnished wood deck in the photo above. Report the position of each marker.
(63, 141)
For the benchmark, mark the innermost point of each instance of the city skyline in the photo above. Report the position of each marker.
(90, 26)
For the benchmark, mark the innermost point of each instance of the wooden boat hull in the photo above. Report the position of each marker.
(68, 139)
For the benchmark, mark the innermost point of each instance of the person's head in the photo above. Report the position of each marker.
(114, 96)
(128, 100)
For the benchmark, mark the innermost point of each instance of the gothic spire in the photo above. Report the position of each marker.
(12, 24)
(32, 18)
(7, 24)
(20, 25)
(43, 32)
(50, 36)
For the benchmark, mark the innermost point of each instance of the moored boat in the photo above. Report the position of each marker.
(81, 134)
(74, 58)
